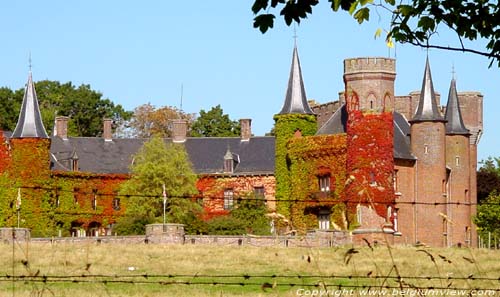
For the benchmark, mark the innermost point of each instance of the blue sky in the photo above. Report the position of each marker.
(136, 52)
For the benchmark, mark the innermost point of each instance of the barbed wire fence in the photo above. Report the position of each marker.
(378, 282)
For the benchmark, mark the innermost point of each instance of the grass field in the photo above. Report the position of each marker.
(68, 269)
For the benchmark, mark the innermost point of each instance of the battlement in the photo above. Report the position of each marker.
(369, 64)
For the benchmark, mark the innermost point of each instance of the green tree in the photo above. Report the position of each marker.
(248, 217)
(488, 178)
(157, 164)
(10, 105)
(214, 123)
(85, 107)
(488, 215)
(148, 120)
(252, 212)
(413, 22)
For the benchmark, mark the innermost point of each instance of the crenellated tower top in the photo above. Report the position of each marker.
(369, 83)
(370, 64)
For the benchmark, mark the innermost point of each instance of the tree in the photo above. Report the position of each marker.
(9, 109)
(252, 211)
(488, 215)
(214, 123)
(85, 107)
(248, 217)
(413, 22)
(148, 120)
(157, 164)
(488, 178)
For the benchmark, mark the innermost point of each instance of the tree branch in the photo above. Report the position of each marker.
(458, 49)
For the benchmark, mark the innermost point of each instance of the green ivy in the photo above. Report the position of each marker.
(285, 129)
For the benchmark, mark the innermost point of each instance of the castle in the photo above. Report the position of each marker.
(400, 168)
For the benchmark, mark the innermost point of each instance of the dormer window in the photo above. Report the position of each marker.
(228, 165)
(230, 161)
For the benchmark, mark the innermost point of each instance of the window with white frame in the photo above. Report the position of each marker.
(228, 199)
(324, 183)
(324, 220)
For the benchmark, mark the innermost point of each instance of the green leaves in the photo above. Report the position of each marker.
(263, 22)
(362, 15)
(214, 123)
(414, 22)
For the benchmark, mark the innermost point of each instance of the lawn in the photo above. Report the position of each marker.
(91, 269)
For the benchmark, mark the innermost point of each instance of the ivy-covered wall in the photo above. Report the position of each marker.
(211, 189)
(52, 202)
(310, 158)
(287, 126)
(370, 160)
(87, 200)
(4, 154)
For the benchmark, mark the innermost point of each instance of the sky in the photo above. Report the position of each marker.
(208, 53)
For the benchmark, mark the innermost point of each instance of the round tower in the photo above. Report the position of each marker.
(372, 79)
(294, 120)
(429, 147)
(458, 162)
(369, 89)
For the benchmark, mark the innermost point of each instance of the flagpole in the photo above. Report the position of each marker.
(164, 205)
(18, 207)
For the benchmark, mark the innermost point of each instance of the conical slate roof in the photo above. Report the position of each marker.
(29, 124)
(455, 123)
(296, 99)
(427, 109)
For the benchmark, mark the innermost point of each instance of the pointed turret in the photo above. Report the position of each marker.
(427, 109)
(296, 99)
(455, 123)
(29, 124)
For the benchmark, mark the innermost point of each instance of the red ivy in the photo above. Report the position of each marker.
(4, 154)
(370, 159)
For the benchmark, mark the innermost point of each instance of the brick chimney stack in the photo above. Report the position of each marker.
(62, 127)
(107, 134)
(179, 130)
(246, 129)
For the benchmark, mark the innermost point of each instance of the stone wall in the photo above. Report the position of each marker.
(317, 239)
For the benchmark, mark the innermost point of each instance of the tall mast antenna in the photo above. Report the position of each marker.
(182, 93)
(29, 61)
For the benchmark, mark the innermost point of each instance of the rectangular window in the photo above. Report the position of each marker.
(395, 180)
(324, 221)
(116, 203)
(373, 181)
(76, 193)
(259, 192)
(228, 199)
(94, 199)
(324, 183)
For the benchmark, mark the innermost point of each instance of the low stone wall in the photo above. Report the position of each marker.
(10, 234)
(174, 234)
(318, 239)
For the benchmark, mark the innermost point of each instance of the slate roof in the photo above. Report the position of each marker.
(337, 123)
(427, 109)
(455, 123)
(296, 99)
(95, 155)
(29, 124)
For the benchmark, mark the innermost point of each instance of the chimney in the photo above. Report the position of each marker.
(61, 129)
(107, 134)
(246, 129)
(179, 130)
